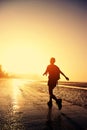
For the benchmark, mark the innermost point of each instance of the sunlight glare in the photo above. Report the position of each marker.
(16, 93)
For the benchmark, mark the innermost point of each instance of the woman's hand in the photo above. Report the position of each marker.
(67, 78)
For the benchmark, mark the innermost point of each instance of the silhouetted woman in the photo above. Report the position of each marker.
(54, 75)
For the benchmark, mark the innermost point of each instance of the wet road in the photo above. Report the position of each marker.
(23, 107)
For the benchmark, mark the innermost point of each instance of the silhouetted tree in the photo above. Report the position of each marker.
(2, 73)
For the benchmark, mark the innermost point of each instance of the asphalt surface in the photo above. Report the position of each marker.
(23, 106)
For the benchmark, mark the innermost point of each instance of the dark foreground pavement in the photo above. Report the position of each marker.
(24, 107)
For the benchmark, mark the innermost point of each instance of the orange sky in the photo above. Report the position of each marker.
(31, 32)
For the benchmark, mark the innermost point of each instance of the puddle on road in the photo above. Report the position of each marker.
(11, 100)
(18, 99)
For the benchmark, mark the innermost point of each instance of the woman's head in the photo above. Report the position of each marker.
(52, 60)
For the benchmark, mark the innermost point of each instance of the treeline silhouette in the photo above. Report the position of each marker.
(3, 74)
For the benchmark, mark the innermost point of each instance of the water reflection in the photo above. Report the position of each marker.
(49, 119)
(15, 96)
(16, 84)
(10, 115)
(53, 122)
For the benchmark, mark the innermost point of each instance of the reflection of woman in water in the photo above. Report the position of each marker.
(54, 75)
